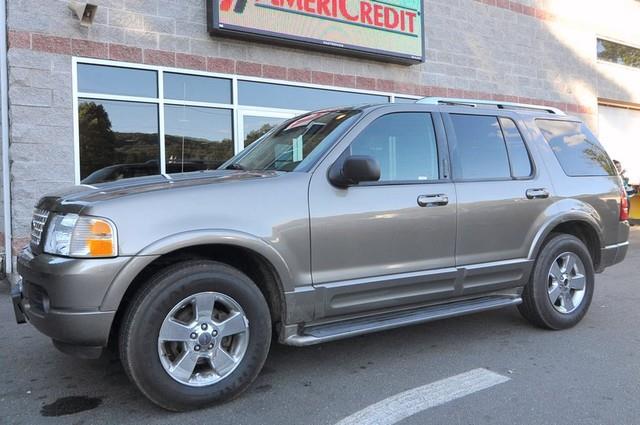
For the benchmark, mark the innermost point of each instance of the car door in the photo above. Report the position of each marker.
(502, 198)
(391, 242)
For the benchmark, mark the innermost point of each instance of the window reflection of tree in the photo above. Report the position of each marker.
(97, 140)
(101, 147)
(591, 151)
(596, 154)
(563, 134)
(186, 154)
(197, 138)
(618, 53)
(254, 135)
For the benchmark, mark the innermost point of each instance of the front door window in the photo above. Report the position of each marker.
(404, 144)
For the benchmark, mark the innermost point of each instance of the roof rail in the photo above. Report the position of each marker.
(473, 103)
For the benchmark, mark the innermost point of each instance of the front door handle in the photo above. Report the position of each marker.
(537, 193)
(433, 200)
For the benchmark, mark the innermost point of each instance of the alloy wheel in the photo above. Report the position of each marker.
(203, 339)
(567, 283)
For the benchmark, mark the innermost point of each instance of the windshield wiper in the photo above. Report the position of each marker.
(235, 166)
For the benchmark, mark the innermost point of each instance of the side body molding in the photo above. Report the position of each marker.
(179, 241)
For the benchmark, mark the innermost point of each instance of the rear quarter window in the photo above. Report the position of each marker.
(577, 149)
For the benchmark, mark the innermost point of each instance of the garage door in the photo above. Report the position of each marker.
(619, 132)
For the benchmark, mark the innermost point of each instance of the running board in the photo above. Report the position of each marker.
(317, 334)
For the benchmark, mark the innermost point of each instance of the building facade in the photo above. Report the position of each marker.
(148, 88)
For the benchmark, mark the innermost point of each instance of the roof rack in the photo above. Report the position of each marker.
(473, 103)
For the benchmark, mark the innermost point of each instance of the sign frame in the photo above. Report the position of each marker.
(216, 28)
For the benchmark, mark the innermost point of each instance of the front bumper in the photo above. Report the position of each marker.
(16, 298)
(61, 297)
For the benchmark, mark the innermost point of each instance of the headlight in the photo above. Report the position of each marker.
(72, 235)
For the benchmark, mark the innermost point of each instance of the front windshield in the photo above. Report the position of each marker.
(296, 143)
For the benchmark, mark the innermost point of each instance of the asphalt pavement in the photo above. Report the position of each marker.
(488, 368)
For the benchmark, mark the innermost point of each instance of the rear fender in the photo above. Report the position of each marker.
(565, 211)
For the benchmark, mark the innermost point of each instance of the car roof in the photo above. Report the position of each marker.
(491, 104)
(455, 105)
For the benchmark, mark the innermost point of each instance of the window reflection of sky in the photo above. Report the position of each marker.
(577, 150)
(198, 123)
(118, 81)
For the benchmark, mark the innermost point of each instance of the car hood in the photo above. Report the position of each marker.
(75, 198)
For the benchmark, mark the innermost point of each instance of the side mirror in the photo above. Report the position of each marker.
(353, 170)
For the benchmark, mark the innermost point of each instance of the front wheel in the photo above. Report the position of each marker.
(197, 333)
(560, 290)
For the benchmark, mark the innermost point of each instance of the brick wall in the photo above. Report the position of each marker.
(529, 51)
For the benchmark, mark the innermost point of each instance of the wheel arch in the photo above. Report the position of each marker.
(248, 254)
(579, 224)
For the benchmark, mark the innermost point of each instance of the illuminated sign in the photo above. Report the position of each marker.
(387, 29)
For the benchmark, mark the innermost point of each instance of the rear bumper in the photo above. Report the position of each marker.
(613, 254)
(61, 298)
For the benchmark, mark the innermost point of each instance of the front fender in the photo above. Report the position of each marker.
(172, 243)
(562, 212)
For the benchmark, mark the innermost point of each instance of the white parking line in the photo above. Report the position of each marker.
(400, 406)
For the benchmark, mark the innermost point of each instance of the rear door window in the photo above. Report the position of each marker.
(518, 153)
(478, 148)
(577, 149)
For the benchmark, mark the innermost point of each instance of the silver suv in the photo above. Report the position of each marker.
(337, 223)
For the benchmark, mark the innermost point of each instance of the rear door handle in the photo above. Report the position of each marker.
(537, 193)
(433, 200)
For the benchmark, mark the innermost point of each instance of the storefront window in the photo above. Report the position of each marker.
(117, 81)
(122, 132)
(300, 98)
(197, 138)
(117, 140)
(196, 88)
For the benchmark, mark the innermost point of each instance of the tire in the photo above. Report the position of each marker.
(146, 357)
(537, 306)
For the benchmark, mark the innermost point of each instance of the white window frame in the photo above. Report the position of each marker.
(617, 41)
(237, 109)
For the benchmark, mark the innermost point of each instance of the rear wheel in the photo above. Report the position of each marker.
(560, 290)
(197, 333)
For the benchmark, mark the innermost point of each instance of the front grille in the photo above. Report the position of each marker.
(37, 226)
